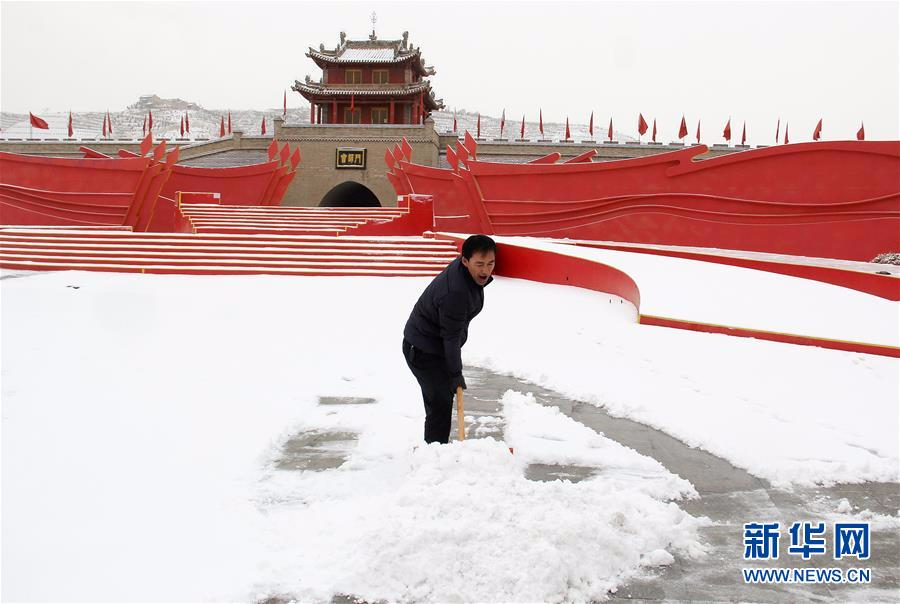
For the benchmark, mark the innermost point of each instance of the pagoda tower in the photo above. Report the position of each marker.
(369, 82)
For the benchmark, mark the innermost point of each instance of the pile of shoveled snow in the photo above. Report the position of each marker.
(462, 523)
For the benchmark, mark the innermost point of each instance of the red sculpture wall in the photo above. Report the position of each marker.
(828, 199)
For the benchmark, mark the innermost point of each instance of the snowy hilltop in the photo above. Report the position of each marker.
(205, 123)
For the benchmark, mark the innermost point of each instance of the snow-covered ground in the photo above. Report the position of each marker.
(720, 294)
(143, 416)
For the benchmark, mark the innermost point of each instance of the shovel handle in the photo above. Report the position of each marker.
(460, 421)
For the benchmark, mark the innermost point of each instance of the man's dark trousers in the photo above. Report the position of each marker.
(431, 373)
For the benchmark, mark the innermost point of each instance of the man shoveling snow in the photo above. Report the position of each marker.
(438, 326)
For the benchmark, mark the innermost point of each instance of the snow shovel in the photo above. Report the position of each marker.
(460, 422)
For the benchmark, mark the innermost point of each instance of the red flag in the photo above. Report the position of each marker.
(285, 104)
(229, 122)
(182, 126)
(727, 132)
(777, 130)
(860, 134)
(145, 126)
(817, 133)
(522, 129)
(502, 122)
(609, 133)
(295, 158)
(654, 130)
(642, 124)
(591, 125)
(454, 120)
(541, 121)
(108, 121)
(104, 125)
(221, 126)
(698, 131)
(37, 122)
(744, 134)
(568, 135)
(263, 130)
(682, 131)
(71, 131)
(478, 126)
(786, 133)
(150, 122)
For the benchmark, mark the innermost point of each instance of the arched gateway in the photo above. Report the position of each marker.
(350, 194)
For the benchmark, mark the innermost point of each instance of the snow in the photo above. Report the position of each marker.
(706, 292)
(143, 416)
(794, 415)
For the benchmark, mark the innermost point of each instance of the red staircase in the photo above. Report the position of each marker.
(240, 240)
(267, 220)
(26, 248)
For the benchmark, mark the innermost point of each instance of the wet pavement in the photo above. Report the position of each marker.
(729, 497)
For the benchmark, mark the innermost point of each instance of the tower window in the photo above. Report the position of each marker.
(380, 76)
(379, 115)
(353, 76)
(352, 117)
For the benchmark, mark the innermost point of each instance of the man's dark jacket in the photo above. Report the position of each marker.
(439, 322)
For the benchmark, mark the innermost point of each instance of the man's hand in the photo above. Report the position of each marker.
(457, 381)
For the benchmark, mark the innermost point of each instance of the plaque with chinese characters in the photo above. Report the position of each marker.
(346, 157)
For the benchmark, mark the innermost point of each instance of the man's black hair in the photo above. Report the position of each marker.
(478, 243)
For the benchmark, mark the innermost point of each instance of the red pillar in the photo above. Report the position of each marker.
(391, 113)
(415, 113)
(312, 113)
(334, 119)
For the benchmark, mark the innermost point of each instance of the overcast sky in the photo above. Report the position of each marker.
(753, 61)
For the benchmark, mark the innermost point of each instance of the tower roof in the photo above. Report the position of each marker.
(371, 51)
(316, 92)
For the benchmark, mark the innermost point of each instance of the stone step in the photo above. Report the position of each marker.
(347, 242)
(276, 223)
(225, 249)
(228, 256)
(234, 230)
(120, 267)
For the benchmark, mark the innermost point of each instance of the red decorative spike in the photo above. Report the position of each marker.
(470, 144)
(407, 149)
(452, 159)
(160, 151)
(146, 144)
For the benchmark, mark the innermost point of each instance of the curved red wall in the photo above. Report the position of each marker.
(550, 267)
(829, 199)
